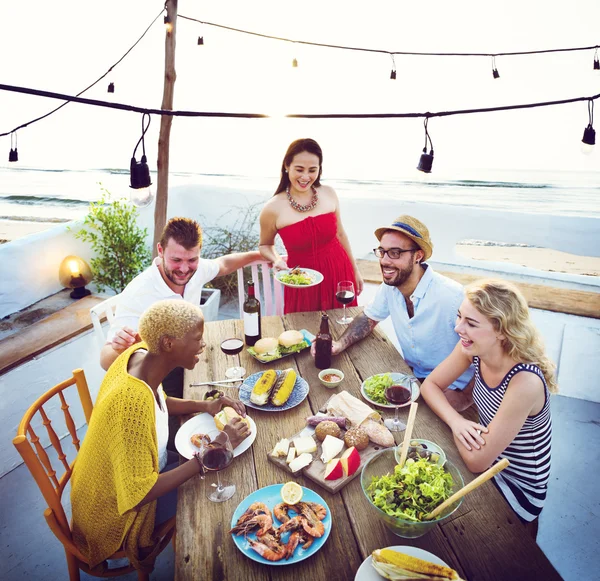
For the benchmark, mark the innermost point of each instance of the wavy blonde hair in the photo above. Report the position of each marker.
(506, 308)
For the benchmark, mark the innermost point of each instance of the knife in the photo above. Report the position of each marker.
(216, 382)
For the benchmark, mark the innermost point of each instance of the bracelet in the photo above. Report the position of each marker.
(197, 456)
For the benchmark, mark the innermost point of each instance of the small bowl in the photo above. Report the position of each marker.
(424, 448)
(331, 384)
(384, 463)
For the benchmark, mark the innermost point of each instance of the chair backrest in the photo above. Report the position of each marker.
(267, 288)
(105, 308)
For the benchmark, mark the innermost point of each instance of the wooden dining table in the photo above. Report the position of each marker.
(482, 540)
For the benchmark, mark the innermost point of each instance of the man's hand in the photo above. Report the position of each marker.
(336, 348)
(237, 430)
(124, 339)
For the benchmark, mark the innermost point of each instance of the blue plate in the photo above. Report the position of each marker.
(271, 496)
(298, 394)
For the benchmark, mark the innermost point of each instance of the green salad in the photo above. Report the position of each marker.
(279, 352)
(412, 491)
(375, 387)
(297, 277)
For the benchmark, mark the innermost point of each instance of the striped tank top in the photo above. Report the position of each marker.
(525, 481)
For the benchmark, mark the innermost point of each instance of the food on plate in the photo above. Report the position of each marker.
(378, 433)
(327, 428)
(331, 447)
(268, 348)
(316, 420)
(226, 415)
(213, 394)
(305, 444)
(376, 385)
(281, 448)
(412, 491)
(350, 461)
(332, 377)
(333, 469)
(291, 492)
(265, 349)
(283, 387)
(200, 440)
(302, 461)
(263, 387)
(418, 450)
(296, 276)
(356, 437)
(395, 565)
(257, 516)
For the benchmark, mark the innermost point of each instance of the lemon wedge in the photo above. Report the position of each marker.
(291, 493)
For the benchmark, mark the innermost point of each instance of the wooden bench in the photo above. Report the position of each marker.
(547, 298)
(47, 333)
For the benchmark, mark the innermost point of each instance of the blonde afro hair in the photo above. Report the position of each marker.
(172, 318)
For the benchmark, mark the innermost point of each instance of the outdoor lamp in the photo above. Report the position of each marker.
(393, 73)
(589, 133)
(111, 87)
(596, 61)
(75, 273)
(139, 173)
(295, 63)
(495, 72)
(168, 24)
(200, 40)
(426, 159)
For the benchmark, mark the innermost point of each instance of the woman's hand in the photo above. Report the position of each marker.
(468, 433)
(360, 283)
(237, 430)
(216, 405)
(280, 265)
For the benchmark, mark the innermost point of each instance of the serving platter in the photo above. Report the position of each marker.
(297, 396)
(398, 379)
(317, 278)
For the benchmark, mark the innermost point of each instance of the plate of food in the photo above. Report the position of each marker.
(270, 349)
(188, 438)
(299, 277)
(374, 388)
(273, 390)
(368, 571)
(293, 546)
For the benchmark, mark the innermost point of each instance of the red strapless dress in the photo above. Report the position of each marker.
(313, 243)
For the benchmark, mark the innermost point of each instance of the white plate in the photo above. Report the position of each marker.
(316, 276)
(366, 572)
(203, 423)
(397, 377)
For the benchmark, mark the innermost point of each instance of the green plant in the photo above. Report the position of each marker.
(241, 236)
(118, 242)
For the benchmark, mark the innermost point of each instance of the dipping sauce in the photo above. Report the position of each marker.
(332, 378)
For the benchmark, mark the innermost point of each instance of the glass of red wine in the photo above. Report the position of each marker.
(215, 457)
(397, 395)
(345, 295)
(232, 347)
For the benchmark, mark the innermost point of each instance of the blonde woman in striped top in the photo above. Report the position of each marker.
(513, 381)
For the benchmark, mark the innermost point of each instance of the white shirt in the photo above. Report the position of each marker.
(429, 337)
(148, 287)
(162, 426)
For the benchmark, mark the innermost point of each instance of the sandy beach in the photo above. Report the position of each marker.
(12, 229)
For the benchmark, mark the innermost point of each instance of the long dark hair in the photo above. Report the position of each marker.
(296, 147)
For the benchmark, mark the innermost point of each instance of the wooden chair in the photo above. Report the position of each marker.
(105, 308)
(268, 289)
(28, 444)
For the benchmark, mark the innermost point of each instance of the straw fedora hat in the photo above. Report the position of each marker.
(414, 229)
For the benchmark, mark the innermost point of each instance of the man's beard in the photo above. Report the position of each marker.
(403, 274)
(178, 282)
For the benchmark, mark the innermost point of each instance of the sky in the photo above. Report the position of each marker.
(64, 47)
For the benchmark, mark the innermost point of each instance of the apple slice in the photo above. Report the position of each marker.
(350, 461)
(333, 469)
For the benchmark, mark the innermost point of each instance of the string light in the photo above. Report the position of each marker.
(426, 159)
(393, 73)
(139, 172)
(168, 23)
(200, 41)
(13, 155)
(111, 88)
(495, 72)
(589, 133)
(596, 61)
(295, 63)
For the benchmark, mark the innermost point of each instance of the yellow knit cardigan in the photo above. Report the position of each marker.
(115, 469)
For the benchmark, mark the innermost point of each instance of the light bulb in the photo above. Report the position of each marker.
(141, 197)
(586, 148)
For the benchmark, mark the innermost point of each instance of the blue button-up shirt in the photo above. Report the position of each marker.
(429, 337)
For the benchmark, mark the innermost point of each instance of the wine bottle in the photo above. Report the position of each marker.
(323, 344)
(251, 317)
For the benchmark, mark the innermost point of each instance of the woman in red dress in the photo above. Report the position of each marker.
(306, 215)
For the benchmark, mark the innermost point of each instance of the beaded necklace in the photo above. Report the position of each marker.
(299, 207)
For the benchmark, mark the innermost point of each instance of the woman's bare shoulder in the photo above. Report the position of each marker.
(273, 205)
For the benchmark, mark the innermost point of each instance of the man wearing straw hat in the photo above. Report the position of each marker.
(422, 303)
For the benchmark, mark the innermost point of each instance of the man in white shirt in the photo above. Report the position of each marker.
(423, 304)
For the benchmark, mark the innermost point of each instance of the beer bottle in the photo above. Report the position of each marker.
(251, 317)
(323, 344)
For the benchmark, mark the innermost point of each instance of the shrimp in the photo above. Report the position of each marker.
(297, 537)
(254, 510)
(281, 512)
(311, 523)
(317, 508)
(271, 554)
(291, 525)
(264, 522)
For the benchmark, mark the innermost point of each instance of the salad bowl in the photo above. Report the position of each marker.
(371, 482)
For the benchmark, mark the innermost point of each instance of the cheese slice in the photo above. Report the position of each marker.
(305, 445)
(301, 462)
(331, 448)
(291, 454)
(281, 448)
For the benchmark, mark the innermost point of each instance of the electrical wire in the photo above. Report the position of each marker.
(174, 113)
(89, 86)
(381, 51)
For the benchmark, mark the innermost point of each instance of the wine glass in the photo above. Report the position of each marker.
(215, 457)
(232, 347)
(397, 395)
(345, 295)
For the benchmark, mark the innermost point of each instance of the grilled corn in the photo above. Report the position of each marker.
(263, 387)
(284, 387)
(397, 566)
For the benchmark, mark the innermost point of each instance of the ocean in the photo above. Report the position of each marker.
(42, 195)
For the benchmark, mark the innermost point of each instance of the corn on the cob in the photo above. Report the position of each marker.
(284, 387)
(394, 565)
(263, 387)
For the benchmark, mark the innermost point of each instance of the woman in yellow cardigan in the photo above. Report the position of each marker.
(118, 475)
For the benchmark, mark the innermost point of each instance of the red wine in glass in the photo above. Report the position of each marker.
(397, 394)
(217, 458)
(345, 295)
(233, 347)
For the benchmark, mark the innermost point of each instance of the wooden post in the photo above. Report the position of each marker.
(162, 187)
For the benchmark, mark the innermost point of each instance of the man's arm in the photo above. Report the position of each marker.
(358, 329)
(231, 262)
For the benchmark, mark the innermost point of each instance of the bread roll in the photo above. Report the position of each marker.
(226, 415)
(289, 338)
(327, 428)
(266, 345)
(356, 437)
